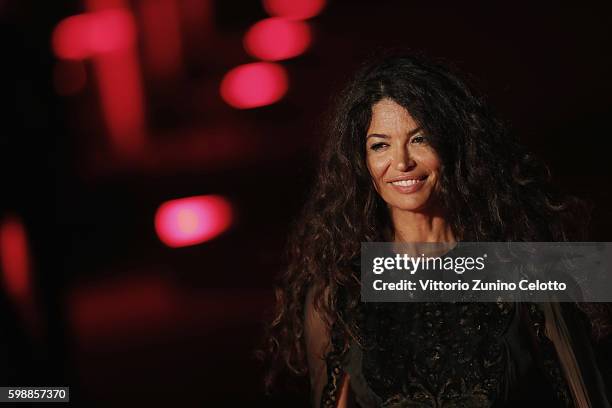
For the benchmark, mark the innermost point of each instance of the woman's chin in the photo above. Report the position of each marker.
(420, 202)
(416, 207)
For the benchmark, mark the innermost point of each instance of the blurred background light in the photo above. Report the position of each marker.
(108, 37)
(276, 38)
(86, 35)
(192, 220)
(15, 258)
(294, 9)
(162, 36)
(253, 85)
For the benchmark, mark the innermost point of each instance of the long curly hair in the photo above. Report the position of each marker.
(492, 189)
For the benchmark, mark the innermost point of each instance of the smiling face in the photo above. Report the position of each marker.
(405, 169)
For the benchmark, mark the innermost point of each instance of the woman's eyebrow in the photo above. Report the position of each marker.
(415, 131)
(377, 135)
(383, 136)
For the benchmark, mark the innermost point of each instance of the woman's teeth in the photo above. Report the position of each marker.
(405, 183)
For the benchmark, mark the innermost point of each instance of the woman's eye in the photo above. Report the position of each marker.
(418, 139)
(378, 146)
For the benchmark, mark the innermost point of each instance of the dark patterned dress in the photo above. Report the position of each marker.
(450, 355)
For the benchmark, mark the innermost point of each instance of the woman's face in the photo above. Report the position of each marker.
(405, 169)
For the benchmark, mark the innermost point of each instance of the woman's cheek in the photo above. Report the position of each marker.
(378, 166)
(374, 172)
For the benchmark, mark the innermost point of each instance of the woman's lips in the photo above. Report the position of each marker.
(408, 186)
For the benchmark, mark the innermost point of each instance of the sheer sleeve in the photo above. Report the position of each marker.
(318, 344)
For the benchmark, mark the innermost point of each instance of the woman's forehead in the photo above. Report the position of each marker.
(389, 117)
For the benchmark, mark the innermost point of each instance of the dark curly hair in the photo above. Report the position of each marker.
(492, 189)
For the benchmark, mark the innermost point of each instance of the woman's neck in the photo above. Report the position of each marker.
(412, 226)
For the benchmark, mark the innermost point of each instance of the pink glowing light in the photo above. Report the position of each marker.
(192, 220)
(89, 34)
(108, 37)
(253, 85)
(275, 39)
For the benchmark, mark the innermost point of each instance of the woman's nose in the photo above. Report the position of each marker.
(402, 159)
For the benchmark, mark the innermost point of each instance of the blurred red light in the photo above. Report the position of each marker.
(86, 35)
(277, 38)
(162, 36)
(294, 9)
(70, 39)
(108, 37)
(253, 85)
(15, 258)
(192, 220)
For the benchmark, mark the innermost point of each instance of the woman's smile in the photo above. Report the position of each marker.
(406, 185)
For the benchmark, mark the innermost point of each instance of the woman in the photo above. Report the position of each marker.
(412, 155)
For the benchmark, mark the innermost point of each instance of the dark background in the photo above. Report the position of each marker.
(120, 317)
